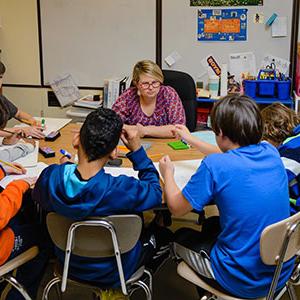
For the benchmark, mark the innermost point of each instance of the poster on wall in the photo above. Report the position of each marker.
(222, 25)
(225, 2)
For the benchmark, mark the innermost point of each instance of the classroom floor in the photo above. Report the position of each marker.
(166, 282)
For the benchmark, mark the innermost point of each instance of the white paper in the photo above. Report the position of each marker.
(280, 27)
(184, 169)
(172, 58)
(65, 89)
(282, 65)
(31, 172)
(28, 161)
(242, 63)
(52, 124)
(224, 80)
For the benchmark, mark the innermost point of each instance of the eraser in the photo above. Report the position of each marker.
(52, 136)
(271, 19)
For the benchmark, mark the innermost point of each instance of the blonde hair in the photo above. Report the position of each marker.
(279, 122)
(149, 68)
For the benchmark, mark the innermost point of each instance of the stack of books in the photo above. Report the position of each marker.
(113, 88)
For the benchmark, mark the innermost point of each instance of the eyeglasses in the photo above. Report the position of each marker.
(146, 85)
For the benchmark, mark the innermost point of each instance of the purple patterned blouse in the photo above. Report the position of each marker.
(168, 109)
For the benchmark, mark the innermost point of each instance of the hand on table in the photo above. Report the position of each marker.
(13, 138)
(182, 131)
(130, 137)
(30, 180)
(34, 131)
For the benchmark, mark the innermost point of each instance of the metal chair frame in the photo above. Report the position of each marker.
(126, 287)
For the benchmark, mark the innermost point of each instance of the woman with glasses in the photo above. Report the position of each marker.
(149, 105)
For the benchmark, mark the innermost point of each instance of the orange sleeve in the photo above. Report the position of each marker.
(2, 173)
(11, 200)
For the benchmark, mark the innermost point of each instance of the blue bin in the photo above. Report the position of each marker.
(283, 89)
(266, 87)
(250, 88)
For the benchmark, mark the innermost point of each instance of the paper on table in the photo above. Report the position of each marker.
(31, 172)
(207, 136)
(28, 161)
(184, 169)
(52, 124)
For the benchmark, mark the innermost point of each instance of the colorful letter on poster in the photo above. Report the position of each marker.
(222, 25)
(225, 2)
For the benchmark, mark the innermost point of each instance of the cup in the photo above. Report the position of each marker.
(213, 86)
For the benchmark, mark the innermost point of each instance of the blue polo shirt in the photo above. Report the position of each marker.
(249, 186)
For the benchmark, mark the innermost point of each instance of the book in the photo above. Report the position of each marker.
(113, 88)
(88, 102)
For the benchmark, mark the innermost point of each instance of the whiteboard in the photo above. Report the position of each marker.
(181, 18)
(96, 39)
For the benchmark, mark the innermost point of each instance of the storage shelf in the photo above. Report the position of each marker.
(260, 100)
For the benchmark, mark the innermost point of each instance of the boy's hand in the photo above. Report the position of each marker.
(30, 180)
(14, 138)
(182, 132)
(166, 166)
(130, 137)
(11, 170)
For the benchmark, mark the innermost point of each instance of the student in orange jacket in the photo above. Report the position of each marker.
(19, 232)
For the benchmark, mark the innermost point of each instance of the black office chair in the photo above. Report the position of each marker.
(185, 86)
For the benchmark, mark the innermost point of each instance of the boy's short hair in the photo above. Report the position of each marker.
(100, 133)
(2, 68)
(279, 122)
(239, 118)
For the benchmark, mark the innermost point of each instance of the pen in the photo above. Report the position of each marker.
(65, 153)
(185, 142)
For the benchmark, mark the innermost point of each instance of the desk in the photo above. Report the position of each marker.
(158, 146)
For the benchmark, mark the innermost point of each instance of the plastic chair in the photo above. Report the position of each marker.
(97, 238)
(279, 242)
(185, 87)
(9, 266)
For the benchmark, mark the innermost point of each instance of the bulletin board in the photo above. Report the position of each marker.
(222, 24)
(179, 17)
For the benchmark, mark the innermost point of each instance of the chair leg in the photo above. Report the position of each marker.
(150, 279)
(13, 281)
(146, 289)
(49, 285)
(291, 291)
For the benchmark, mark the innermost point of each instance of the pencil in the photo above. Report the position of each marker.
(10, 165)
(31, 123)
(156, 155)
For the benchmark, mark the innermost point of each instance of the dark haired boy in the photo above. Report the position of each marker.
(9, 111)
(248, 184)
(85, 190)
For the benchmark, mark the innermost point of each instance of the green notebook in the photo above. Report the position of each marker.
(178, 145)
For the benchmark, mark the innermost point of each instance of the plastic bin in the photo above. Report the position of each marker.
(266, 87)
(250, 88)
(283, 89)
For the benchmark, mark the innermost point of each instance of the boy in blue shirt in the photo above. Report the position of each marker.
(248, 184)
(282, 129)
(86, 190)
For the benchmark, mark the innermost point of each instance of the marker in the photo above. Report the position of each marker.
(43, 123)
(185, 142)
(65, 153)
